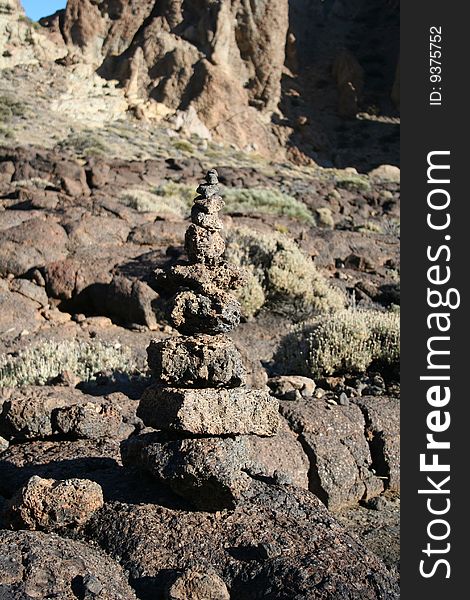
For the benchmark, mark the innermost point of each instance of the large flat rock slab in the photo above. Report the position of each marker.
(39, 565)
(237, 411)
(281, 544)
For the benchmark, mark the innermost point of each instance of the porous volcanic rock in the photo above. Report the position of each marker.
(199, 277)
(39, 565)
(214, 312)
(202, 244)
(283, 540)
(38, 412)
(232, 411)
(48, 504)
(197, 586)
(200, 361)
(210, 471)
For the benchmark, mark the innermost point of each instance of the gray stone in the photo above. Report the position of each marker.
(209, 471)
(200, 361)
(39, 565)
(210, 411)
(212, 312)
(202, 245)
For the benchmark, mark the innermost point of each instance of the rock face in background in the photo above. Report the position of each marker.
(20, 41)
(223, 59)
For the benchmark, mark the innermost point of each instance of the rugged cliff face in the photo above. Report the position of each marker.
(22, 41)
(224, 59)
(263, 75)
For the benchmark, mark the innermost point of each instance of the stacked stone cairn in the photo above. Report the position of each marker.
(200, 405)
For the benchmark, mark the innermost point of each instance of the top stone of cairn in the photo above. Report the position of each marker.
(203, 243)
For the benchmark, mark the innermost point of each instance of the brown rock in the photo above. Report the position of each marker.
(33, 243)
(210, 205)
(90, 420)
(212, 312)
(282, 536)
(206, 220)
(291, 387)
(220, 59)
(35, 412)
(203, 246)
(199, 277)
(333, 438)
(280, 456)
(382, 415)
(48, 505)
(17, 313)
(200, 361)
(198, 586)
(210, 411)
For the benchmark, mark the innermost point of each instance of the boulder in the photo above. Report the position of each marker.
(342, 470)
(33, 243)
(209, 471)
(48, 504)
(39, 565)
(38, 412)
(282, 540)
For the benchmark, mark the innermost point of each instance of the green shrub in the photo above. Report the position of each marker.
(183, 146)
(85, 143)
(349, 341)
(155, 201)
(42, 363)
(243, 201)
(265, 201)
(287, 277)
(9, 108)
(352, 182)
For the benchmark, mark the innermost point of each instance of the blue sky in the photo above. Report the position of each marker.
(35, 9)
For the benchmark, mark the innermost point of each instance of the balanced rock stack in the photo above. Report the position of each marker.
(200, 404)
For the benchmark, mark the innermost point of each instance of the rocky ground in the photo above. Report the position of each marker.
(94, 198)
